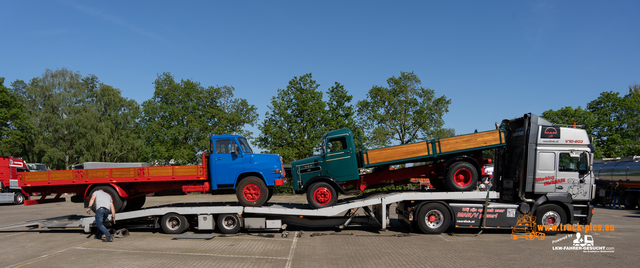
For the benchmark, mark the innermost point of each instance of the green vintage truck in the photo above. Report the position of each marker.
(453, 164)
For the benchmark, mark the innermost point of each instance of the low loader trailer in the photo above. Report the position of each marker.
(430, 212)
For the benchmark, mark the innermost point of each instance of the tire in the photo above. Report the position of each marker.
(433, 218)
(461, 176)
(438, 184)
(173, 223)
(550, 214)
(18, 198)
(135, 203)
(270, 194)
(118, 203)
(321, 194)
(630, 201)
(228, 223)
(252, 192)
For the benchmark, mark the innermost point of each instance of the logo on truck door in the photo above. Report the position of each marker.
(550, 133)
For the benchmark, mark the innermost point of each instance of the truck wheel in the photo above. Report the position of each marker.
(173, 223)
(135, 203)
(321, 195)
(118, 203)
(438, 184)
(433, 218)
(630, 201)
(550, 214)
(461, 176)
(252, 192)
(228, 223)
(270, 194)
(18, 198)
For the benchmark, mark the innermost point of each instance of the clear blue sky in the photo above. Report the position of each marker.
(493, 59)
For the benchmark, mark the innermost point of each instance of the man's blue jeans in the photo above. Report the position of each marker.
(101, 217)
(615, 200)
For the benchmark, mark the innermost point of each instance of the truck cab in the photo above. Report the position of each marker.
(234, 165)
(10, 192)
(548, 167)
(336, 163)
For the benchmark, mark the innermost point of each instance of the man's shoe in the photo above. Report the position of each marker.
(109, 239)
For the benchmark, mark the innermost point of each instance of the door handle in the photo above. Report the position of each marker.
(559, 187)
(218, 159)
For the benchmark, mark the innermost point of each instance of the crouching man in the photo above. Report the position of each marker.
(104, 206)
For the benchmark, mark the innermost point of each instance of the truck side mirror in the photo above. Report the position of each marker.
(234, 148)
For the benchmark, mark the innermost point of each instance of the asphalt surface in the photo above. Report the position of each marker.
(356, 247)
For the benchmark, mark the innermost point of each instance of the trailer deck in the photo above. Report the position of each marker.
(341, 215)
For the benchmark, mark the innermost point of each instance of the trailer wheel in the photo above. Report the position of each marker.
(321, 194)
(135, 203)
(118, 203)
(252, 192)
(18, 198)
(173, 223)
(228, 223)
(433, 218)
(461, 176)
(630, 201)
(550, 214)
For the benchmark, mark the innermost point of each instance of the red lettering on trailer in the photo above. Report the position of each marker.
(573, 141)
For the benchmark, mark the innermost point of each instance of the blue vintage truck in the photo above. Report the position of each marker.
(232, 164)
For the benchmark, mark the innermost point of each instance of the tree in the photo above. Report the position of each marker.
(617, 124)
(340, 113)
(13, 122)
(178, 121)
(635, 88)
(76, 119)
(114, 122)
(403, 112)
(611, 120)
(296, 121)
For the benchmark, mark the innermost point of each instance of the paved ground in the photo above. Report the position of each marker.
(396, 247)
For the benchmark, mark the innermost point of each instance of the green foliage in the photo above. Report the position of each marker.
(284, 189)
(612, 120)
(75, 119)
(617, 127)
(295, 123)
(114, 124)
(180, 118)
(404, 112)
(13, 122)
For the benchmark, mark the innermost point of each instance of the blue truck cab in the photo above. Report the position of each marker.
(234, 165)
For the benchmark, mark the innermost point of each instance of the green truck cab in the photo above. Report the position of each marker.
(321, 175)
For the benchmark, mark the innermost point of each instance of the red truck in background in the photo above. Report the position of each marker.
(10, 192)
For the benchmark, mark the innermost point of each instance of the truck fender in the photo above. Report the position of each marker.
(561, 199)
(245, 174)
(119, 189)
(326, 179)
(465, 158)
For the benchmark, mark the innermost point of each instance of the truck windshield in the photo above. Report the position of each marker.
(245, 145)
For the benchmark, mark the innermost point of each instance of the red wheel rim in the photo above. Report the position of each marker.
(431, 218)
(251, 192)
(462, 177)
(551, 221)
(322, 196)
